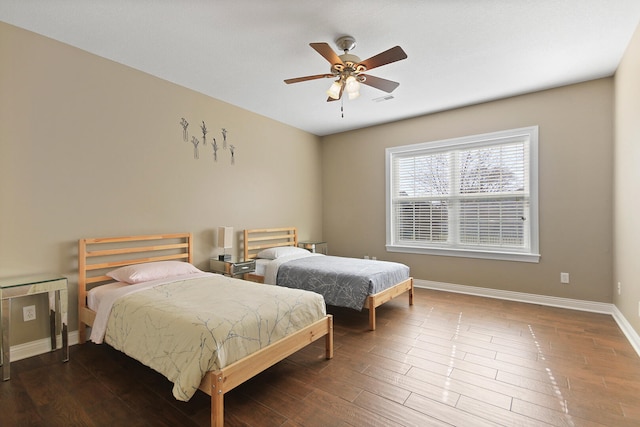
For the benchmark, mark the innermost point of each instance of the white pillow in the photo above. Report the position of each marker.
(273, 253)
(151, 271)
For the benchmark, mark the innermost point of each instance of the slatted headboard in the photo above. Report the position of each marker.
(263, 238)
(96, 256)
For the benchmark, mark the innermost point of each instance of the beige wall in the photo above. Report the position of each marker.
(576, 148)
(627, 184)
(92, 148)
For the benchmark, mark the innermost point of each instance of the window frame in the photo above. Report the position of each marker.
(530, 254)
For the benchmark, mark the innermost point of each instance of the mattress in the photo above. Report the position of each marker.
(261, 266)
(96, 295)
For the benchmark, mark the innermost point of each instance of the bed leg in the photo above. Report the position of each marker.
(217, 401)
(411, 293)
(82, 332)
(372, 316)
(328, 339)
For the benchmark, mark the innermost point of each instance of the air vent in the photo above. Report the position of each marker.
(383, 98)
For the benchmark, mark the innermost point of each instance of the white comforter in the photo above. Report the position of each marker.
(105, 296)
(187, 327)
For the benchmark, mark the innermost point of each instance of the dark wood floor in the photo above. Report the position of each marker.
(449, 360)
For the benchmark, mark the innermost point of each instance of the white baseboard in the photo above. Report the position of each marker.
(627, 329)
(35, 348)
(572, 304)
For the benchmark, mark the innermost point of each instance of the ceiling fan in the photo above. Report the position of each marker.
(349, 70)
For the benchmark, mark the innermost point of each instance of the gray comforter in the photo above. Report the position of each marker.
(343, 282)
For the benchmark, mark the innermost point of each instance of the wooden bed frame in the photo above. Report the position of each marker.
(263, 238)
(97, 256)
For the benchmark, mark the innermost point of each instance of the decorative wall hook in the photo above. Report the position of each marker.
(215, 150)
(204, 133)
(195, 141)
(185, 133)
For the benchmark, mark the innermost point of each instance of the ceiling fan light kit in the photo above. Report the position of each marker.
(349, 69)
(353, 87)
(335, 89)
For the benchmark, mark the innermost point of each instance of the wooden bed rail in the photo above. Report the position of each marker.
(217, 383)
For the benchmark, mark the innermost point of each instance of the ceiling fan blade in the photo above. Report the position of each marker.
(380, 83)
(387, 57)
(325, 50)
(304, 79)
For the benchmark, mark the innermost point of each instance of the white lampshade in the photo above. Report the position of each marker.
(352, 87)
(334, 90)
(225, 237)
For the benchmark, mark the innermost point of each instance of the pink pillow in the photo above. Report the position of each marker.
(145, 272)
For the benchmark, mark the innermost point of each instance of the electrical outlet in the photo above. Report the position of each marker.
(366, 257)
(29, 313)
(619, 288)
(564, 277)
(374, 258)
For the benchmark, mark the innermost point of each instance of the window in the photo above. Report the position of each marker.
(475, 196)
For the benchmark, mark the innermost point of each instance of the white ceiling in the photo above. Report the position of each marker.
(460, 52)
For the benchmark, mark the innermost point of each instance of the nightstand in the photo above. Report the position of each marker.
(52, 284)
(315, 247)
(230, 268)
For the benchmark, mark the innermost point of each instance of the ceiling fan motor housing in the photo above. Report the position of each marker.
(350, 65)
(350, 62)
(346, 43)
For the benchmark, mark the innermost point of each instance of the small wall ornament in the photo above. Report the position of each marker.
(215, 150)
(204, 133)
(195, 141)
(185, 133)
(224, 138)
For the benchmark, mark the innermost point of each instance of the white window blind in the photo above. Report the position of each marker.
(473, 196)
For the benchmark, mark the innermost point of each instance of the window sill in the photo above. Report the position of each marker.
(467, 253)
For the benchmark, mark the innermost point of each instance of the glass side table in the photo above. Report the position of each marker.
(231, 268)
(15, 287)
(315, 247)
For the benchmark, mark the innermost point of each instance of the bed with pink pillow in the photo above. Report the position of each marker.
(143, 296)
